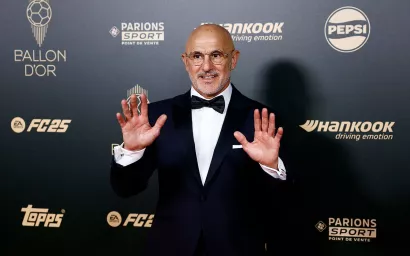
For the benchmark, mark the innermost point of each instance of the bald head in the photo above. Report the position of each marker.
(209, 58)
(211, 33)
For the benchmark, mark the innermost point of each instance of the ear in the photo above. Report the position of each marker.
(234, 59)
(185, 61)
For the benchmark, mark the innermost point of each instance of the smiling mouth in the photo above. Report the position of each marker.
(208, 77)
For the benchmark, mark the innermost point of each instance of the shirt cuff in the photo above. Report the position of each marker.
(126, 157)
(278, 174)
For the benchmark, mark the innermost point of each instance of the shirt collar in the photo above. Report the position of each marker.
(227, 93)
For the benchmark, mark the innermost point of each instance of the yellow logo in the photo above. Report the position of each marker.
(114, 219)
(18, 125)
(347, 130)
(33, 217)
(40, 125)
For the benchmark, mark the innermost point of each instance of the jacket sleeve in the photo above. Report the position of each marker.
(132, 179)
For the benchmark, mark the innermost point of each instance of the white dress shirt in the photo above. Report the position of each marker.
(206, 125)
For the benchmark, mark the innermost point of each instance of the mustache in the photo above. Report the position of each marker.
(209, 73)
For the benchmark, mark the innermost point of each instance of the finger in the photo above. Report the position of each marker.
(271, 128)
(241, 138)
(279, 135)
(144, 106)
(265, 120)
(159, 123)
(125, 109)
(120, 120)
(133, 105)
(257, 120)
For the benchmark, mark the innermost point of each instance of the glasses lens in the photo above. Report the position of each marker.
(197, 58)
(217, 57)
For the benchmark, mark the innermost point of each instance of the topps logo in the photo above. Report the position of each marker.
(35, 217)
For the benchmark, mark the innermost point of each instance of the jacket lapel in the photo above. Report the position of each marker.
(237, 112)
(234, 119)
(182, 119)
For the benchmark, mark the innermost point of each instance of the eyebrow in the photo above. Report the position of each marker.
(214, 50)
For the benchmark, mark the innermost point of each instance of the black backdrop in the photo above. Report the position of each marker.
(330, 61)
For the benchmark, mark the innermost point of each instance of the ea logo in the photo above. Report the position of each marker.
(347, 29)
(18, 125)
(114, 219)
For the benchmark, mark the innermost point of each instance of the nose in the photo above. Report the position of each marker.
(207, 64)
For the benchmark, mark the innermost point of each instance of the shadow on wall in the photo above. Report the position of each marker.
(321, 179)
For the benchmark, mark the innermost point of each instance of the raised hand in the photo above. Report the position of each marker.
(265, 146)
(136, 130)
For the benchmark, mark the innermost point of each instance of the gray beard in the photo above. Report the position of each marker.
(215, 92)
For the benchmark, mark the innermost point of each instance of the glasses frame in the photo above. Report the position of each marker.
(225, 55)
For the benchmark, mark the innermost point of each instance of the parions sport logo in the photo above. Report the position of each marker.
(253, 31)
(142, 220)
(349, 229)
(358, 130)
(347, 29)
(39, 62)
(139, 33)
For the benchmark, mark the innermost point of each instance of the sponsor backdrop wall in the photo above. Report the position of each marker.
(336, 73)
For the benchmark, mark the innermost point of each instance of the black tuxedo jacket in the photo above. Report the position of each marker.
(232, 209)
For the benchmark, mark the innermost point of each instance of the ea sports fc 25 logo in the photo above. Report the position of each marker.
(18, 125)
(114, 219)
(347, 29)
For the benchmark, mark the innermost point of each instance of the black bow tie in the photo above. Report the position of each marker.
(218, 103)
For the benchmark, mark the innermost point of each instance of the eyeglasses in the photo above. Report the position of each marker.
(217, 57)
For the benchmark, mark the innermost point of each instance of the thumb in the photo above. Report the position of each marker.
(279, 134)
(159, 123)
(241, 138)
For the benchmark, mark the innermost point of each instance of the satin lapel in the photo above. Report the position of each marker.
(234, 119)
(182, 118)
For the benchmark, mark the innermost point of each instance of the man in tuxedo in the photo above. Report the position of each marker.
(217, 156)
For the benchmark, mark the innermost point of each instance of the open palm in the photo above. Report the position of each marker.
(136, 130)
(264, 148)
